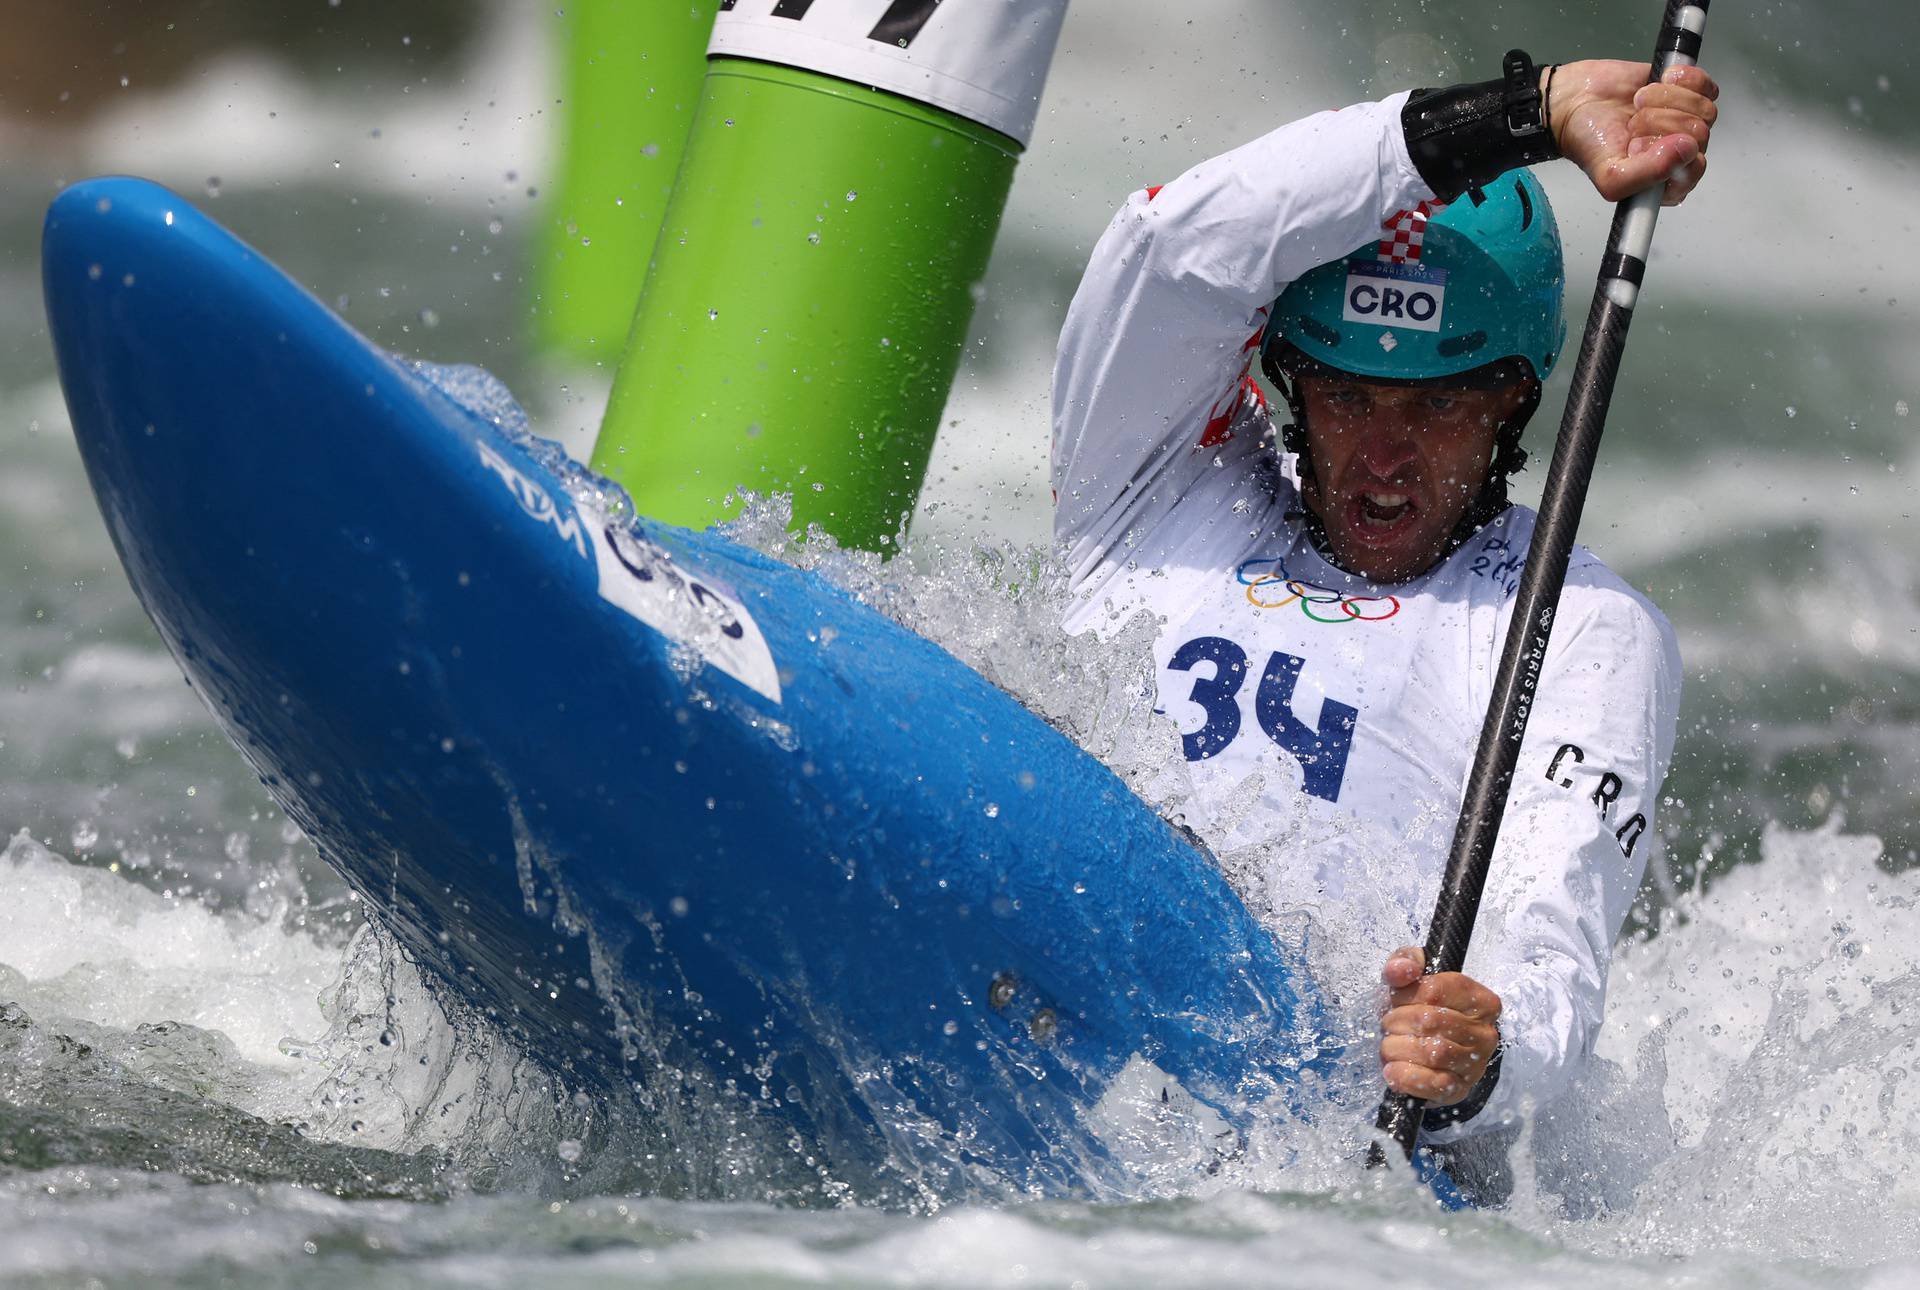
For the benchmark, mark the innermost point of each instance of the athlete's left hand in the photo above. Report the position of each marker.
(1629, 135)
(1441, 1030)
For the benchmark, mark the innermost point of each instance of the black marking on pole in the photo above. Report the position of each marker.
(1679, 40)
(902, 21)
(795, 9)
(1627, 268)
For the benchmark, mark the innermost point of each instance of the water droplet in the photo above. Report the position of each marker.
(569, 1150)
(993, 810)
(678, 906)
(213, 185)
(713, 315)
(852, 195)
(1001, 989)
(814, 238)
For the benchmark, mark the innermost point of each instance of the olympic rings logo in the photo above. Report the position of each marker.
(1277, 590)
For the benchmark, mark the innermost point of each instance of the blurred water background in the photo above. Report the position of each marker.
(197, 1075)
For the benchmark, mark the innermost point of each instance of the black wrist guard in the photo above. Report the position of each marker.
(1470, 135)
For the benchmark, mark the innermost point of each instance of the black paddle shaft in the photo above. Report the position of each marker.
(1524, 657)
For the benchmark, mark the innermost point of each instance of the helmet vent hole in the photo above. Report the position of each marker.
(1526, 205)
(1454, 346)
(1319, 331)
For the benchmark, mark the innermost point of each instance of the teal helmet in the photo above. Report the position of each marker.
(1464, 294)
(1475, 292)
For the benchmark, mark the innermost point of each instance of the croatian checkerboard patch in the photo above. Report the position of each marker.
(1406, 233)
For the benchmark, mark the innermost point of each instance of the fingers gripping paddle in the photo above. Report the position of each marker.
(1521, 663)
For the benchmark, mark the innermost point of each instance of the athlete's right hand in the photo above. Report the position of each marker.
(1441, 1030)
(1629, 135)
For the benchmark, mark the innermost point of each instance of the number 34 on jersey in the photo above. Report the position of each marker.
(1220, 671)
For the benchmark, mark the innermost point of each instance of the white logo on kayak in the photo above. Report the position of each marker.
(640, 578)
(1413, 296)
(536, 501)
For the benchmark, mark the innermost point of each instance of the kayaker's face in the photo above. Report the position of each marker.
(1395, 467)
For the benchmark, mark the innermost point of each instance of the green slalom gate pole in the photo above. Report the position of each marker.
(631, 72)
(811, 288)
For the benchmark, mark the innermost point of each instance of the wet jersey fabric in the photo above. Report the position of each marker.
(1329, 724)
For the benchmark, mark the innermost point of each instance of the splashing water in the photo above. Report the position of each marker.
(1814, 1028)
(1754, 1067)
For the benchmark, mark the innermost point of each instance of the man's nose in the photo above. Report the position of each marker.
(1388, 448)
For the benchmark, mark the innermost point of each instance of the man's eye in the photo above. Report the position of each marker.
(1343, 398)
(1441, 403)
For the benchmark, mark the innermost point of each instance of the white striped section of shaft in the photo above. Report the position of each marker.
(1643, 210)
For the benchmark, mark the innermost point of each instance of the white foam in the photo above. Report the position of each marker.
(88, 944)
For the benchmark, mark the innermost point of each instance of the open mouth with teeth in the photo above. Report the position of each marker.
(1382, 512)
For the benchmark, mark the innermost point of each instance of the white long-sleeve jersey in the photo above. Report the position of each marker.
(1331, 716)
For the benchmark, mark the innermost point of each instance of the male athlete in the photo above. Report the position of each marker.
(1333, 619)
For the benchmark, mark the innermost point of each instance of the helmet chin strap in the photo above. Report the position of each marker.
(1508, 458)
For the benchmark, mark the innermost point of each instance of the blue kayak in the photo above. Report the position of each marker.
(650, 800)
